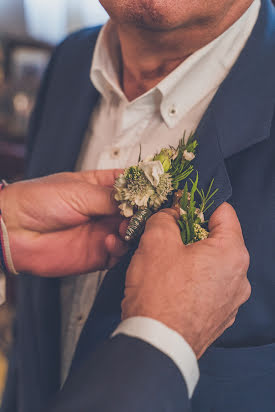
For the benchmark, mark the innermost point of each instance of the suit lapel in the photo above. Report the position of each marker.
(244, 104)
(209, 162)
(241, 113)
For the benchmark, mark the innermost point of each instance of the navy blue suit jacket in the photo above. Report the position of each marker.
(236, 147)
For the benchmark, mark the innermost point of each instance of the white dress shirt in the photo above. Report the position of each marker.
(154, 120)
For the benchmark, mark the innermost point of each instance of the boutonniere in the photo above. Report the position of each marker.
(145, 188)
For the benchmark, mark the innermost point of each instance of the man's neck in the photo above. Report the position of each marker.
(149, 56)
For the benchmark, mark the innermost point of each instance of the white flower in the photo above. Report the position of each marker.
(120, 181)
(164, 189)
(126, 209)
(200, 215)
(189, 156)
(142, 200)
(200, 233)
(152, 170)
(148, 159)
(120, 185)
(119, 195)
(182, 212)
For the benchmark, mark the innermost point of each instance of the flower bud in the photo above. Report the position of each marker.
(165, 158)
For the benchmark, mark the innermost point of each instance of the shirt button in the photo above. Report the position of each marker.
(115, 152)
(172, 111)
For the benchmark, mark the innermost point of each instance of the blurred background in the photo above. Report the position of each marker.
(29, 30)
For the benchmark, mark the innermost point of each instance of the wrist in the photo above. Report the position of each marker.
(3, 184)
(6, 262)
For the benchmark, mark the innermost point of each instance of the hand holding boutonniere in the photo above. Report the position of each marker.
(145, 188)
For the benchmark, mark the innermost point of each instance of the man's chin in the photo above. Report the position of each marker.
(147, 15)
(157, 25)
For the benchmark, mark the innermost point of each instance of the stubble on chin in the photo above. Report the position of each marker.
(144, 14)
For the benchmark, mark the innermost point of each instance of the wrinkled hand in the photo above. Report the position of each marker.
(195, 289)
(63, 224)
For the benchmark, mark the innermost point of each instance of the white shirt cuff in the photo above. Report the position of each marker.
(167, 341)
(2, 287)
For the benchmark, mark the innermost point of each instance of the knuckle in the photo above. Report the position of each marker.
(231, 322)
(247, 291)
(164, 217)
(243, 260)
(158, 219)
(246, 259)
(155, 228)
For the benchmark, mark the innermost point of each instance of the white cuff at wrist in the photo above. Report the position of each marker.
(167, 341)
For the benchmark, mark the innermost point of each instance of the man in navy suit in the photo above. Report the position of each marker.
(57, 211)
(156, 69)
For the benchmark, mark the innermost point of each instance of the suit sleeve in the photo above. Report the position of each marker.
(124, 375)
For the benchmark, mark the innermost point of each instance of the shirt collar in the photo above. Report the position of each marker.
(187, 85)
(106, 64)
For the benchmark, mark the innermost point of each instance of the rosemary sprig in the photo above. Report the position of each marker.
(205, 199)
(180, 167)
(191, 220)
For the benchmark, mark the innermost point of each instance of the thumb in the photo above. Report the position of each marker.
(99, 201)
(224, 222)
(100, 177)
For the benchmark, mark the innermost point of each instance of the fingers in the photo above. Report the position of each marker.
(225, 227)
(224, 221)
(101, 177)
(163, 224)
(115, 246)
(245, 291)
(165, 217)
(116, 249)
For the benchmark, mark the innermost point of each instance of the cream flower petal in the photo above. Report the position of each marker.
(126, 209)
(182, 212)
(152, 170)
(142, 200)
(189, 156)
(120, 181)
(200, 215)
(148, 159)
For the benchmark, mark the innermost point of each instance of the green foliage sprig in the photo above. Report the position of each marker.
(181, 168)
(205, 199)
(191, 220)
